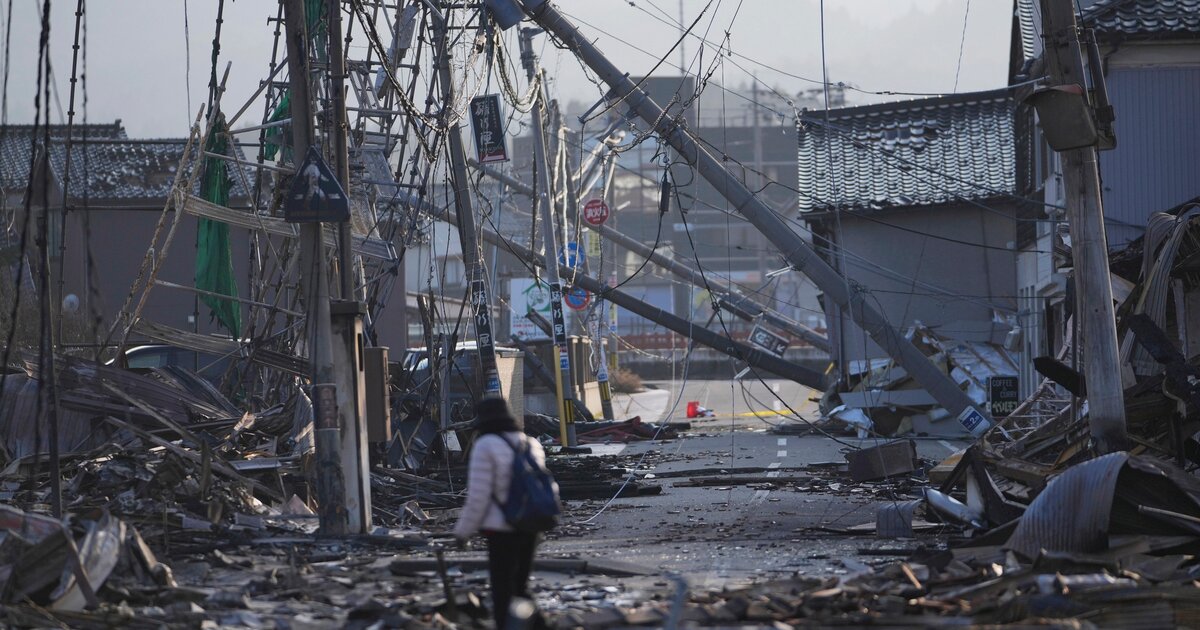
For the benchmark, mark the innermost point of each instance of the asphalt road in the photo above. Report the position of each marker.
(724, 534)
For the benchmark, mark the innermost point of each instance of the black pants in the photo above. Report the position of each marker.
(510, 557)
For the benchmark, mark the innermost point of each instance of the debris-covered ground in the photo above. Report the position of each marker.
(742, 518)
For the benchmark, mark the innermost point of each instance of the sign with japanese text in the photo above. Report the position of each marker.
(595, 212)
(487, 123)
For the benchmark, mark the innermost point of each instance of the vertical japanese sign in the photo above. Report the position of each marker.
(484, 338)
(559, 323)
(487, 123)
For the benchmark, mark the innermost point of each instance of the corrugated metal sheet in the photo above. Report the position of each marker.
(1072, 513)
(1154, 166)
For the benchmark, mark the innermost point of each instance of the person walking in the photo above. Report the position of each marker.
(501, 437)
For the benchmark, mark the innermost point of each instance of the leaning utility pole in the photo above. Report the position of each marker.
(315, 283)
(795, 250)
(467, 230)
(566, 410)
(1089, 252)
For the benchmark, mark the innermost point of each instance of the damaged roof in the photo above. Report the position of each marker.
(1115, 20)
(117, 168)
(920, 152)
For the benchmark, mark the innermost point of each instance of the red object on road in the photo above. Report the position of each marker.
(693, 409)
(595, 212)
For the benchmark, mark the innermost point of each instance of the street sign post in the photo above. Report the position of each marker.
(315, 195)
(595, 212)
(577, 299)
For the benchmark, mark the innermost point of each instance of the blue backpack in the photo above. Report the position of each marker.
(532, 504)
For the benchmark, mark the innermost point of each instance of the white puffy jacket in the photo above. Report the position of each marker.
(488, 478)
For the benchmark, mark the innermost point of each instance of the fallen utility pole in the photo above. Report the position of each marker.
(472, 262)
(728, 298)
(1089, 252)
(795, 250)
(566, 411)
(315, 282)
(701, 335)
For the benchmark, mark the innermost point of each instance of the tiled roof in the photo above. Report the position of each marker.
(1117, 20)
(117, 168)
(919, 152)
(1145, 18)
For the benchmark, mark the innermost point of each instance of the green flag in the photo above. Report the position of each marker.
(214, 260)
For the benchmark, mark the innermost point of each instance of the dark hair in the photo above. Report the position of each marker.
(493, 416)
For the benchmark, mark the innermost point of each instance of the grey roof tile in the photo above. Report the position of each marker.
(920, 152)
(1139, 19)
(116, 167)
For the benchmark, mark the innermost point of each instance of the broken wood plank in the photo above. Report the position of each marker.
(366, 246)
(218, 465)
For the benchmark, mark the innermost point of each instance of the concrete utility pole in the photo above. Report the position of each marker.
(315, 287)
(800, 254)
(348, 313)
(566, 409)
(467, 230)
(1089, 252)
(337, 130)
(728, 298)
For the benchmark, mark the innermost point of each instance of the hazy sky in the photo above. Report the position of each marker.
(137, 70)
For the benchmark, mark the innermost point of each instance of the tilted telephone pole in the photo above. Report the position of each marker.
(1089, 249)
(794, 249)
(566, 406)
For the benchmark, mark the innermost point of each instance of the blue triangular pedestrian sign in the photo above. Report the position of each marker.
(315, 194)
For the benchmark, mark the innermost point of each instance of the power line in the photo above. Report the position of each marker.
(961, 44)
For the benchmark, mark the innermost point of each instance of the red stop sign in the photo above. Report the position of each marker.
(595, 211)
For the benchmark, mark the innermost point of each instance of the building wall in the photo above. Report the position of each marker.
(885, 261)
(119, 240)
(1154, 165)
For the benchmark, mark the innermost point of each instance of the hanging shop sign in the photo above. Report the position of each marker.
(487, 123)
(1004, 395)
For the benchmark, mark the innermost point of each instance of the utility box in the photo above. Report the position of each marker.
(379, 399)
(511, 366)
(350, 375)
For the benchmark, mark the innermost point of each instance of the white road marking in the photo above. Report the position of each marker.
(950, 447)
(781, 441)
(781, 454)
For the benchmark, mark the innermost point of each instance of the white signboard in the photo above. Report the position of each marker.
(525, 294)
